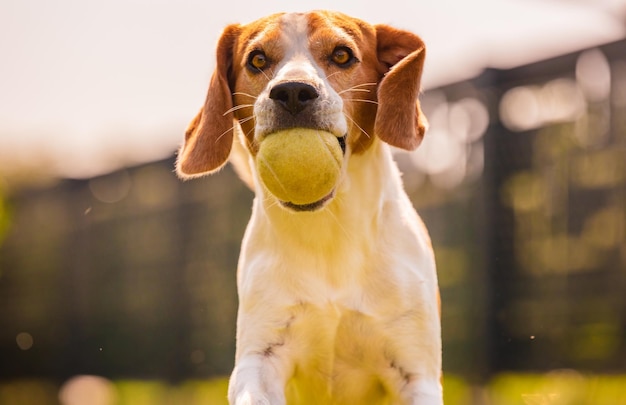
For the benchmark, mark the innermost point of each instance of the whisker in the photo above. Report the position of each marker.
(353, 89)
(240, 93)
(332, 74)
(244, 120)
(273, 202)
(362, 100)
(224, 133)
(338, 222)
(238, 107)
(358, 88)
(266, 76)
(241, 121)
(365, 84)
(251, 129)
(361, 85)
(357, 125)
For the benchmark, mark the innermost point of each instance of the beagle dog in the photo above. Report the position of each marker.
(338, 300)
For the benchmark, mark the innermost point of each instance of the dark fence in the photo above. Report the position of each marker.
(556, 167)
(130, 274)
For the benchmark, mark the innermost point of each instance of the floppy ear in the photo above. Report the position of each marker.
(399, 119)
(209, 136)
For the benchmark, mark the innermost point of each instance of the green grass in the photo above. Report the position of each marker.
(557, 388)
(191, 393)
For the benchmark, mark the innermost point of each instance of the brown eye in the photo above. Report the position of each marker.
(342, 56)
(257, 61)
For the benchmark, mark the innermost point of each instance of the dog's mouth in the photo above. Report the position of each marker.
(308, 207)
(342, 144)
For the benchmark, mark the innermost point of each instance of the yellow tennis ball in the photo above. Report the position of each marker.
(300, 166)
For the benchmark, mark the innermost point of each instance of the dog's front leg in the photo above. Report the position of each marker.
(256, 380)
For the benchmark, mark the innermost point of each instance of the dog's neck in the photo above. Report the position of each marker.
(369, 184)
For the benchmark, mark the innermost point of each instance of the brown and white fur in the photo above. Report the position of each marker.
(338, 300)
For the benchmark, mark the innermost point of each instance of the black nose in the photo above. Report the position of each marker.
(294, 96)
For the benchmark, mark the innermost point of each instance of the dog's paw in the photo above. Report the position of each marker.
(425, 392)
(256, 397)
(249, 398)
(427, 400)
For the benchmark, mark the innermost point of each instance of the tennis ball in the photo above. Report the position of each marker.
(300, 166)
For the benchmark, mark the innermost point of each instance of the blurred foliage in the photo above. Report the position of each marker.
(131, 273)
(562, 209)
(5, 216)
(28, 392)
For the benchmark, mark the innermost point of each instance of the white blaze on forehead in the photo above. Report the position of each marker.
(298, 62)
(295, 34)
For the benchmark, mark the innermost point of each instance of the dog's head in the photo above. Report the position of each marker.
(321, 70)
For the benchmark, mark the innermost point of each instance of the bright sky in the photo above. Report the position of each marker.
(87, 86)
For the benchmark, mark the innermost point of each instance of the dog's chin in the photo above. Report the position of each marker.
(311, 207)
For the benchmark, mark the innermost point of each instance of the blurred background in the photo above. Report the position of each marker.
(117, 280)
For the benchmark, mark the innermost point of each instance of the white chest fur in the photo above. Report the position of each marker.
(339, 299)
